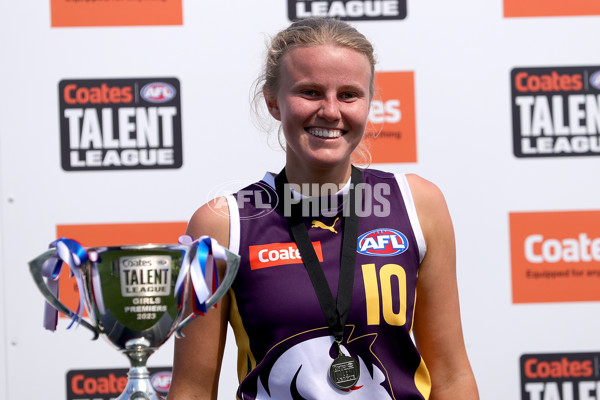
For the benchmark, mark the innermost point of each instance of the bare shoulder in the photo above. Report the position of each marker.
(211, 219)
(427, 196)
(431, 208)
(424, 191)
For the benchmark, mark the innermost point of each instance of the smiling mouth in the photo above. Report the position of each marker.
(325, 133)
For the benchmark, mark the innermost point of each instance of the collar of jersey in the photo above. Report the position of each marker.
(269, 179)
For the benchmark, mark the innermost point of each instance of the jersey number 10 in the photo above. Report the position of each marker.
(383, 284)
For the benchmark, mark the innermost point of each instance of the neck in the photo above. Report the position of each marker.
(314, 178)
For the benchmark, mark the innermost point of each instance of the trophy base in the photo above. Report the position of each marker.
(139, 386)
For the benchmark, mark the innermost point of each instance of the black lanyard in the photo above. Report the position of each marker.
(335, 315)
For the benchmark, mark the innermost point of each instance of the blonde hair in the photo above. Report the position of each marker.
(312, 32)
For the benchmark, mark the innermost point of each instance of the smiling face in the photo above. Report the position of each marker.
(323, 103)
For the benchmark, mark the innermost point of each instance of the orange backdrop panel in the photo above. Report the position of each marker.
(560, 279)
(395, 139)
(550, 8)
(65, 13)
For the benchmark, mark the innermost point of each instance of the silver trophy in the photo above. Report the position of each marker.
(135, 294)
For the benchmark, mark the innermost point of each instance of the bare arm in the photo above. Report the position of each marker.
(198, 356)
(437, 324)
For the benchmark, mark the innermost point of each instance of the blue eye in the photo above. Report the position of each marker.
(310, 93)
(348, 95)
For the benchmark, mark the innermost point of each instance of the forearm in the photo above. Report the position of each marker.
(460, 386)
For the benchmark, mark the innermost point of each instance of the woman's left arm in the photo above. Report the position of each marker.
(437, 324)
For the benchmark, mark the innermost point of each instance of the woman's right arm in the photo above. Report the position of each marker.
(198, 356)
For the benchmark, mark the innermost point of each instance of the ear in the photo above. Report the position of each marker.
(272, 105)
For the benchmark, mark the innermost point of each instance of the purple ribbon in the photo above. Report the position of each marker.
(67, 251)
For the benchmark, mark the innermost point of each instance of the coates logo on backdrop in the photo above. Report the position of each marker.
(382, 242)
(561, 376)
(391, 134)
(555, 256)
(556, 111)
(347, 10)
(550, 8)
(67, 13)
(95, 235)
(276, 254)
(108, 124)
(107, 384)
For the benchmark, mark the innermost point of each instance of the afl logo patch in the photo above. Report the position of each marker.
(382, 242)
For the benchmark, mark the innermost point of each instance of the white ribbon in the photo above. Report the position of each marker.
(68, 252)
(201, 270)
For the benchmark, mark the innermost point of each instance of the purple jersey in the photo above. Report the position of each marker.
(284, 345)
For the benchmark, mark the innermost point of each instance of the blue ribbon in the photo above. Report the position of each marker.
(70, 252)
(201, 270)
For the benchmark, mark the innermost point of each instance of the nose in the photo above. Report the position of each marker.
(330, 109)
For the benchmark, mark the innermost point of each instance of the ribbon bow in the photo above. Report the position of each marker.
(202, 269)
(67, 251)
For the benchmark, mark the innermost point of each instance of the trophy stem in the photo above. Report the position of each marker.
(138, 386)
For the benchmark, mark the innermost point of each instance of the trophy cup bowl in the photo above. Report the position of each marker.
(131, 300)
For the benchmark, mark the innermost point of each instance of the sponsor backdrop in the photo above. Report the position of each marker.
(118, 118)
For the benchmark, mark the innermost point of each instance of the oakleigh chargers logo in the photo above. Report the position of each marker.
(382, 242)
(347, 10)
(556, 111)
(110, 124)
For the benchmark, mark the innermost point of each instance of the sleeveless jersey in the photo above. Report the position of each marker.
(284, 345)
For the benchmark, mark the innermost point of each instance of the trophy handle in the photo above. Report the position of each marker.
(35, 267)
(233, 264)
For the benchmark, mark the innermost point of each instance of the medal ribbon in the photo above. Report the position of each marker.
(74, 255)
(202, 269)
(335, 314)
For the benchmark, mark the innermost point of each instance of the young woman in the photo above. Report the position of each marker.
(327, 302)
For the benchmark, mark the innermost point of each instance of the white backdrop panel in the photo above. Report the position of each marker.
(461, 52)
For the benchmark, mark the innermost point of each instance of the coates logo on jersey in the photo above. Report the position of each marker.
(108, 124)
(107, 384)
(560, 376)
(550, 8)
(391, 131)
(65, 13)
(555, 256)
(95, 235)
(276, 254)
(382, 242)
(347, 10)
(556, 111)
